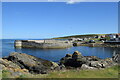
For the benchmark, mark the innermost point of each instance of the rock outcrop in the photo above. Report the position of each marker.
(75, 60)
(32, 64)
(86, 62)
(12, 68)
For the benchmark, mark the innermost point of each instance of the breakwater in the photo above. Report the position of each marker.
(42, 44)
(56, 44)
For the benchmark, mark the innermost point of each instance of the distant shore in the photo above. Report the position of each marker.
(97, 45)
(93, 40)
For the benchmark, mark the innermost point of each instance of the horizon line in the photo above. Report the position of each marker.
(60, 36)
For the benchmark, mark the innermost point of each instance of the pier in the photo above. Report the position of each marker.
(42, 44)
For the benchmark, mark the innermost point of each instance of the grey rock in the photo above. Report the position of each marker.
(33, 64)
(75, 61)
(116, 58)
(95, 64)
(84, 66)
(68, 55)
(7, 63)
(55, 65)
(92, 58)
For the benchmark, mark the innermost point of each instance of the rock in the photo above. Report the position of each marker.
(92, 58)
(2, 67)
(68, 55)
(55, 65)
(116, 58)
(95, 64)
(75, 61)
(74, 44)
(62, 67)
(65, 59)
(77, 43)
(99, 64)
(13, 69)
(84, 66)
(109, 62)
(76, 55)
(31, 63)
(15, 74)
(8, 64)
(103, 65)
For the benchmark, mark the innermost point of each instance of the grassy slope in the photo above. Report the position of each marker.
(106, 73)
(79, 36)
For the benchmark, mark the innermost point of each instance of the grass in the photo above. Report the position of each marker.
(107, 73)
(103, 73)
(6, 74)
(79, 36)
(111, 72)
(0, 74)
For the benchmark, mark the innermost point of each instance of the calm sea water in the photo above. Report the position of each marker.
(56, 54)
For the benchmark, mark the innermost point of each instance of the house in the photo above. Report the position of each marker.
(103, 36)
(75, 39)
(111, 36)
(97, 36)
(117, 37)
(114, 37)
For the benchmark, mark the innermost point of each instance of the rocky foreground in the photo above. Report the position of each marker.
(20, 63)
(87, 62)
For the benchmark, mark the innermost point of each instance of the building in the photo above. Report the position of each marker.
(114, 37)
(117, 37)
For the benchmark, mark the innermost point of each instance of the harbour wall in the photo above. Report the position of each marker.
(42, 44)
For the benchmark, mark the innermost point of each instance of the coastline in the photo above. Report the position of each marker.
(20, 64)
(97, 45)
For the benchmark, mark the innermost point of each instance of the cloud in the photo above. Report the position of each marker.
(51, 0)
(74, 1)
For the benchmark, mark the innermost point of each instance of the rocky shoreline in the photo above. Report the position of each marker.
(87, 62)
(21, 63)
(96, 44)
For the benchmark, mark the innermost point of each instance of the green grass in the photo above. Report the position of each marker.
(107, 73)
(104, 73)
(0, 74)
(111, 72)
(6, 74)
(79, 36)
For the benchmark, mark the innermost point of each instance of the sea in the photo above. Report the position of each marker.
(7, 47)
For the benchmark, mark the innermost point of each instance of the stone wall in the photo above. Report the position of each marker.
(42, 44)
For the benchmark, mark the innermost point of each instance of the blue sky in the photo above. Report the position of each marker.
(50, 19)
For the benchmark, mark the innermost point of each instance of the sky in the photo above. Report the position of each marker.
(54, 19)
(67, 1)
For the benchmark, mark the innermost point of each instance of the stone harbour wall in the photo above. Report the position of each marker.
(42, 44)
